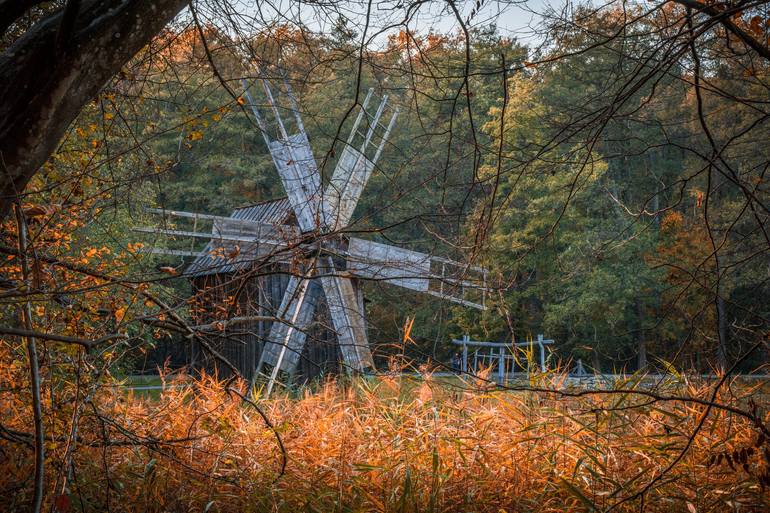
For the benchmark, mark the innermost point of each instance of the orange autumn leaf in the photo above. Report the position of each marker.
(234, 253)
(36, 211)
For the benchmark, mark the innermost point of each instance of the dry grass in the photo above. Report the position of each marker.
(387, 445)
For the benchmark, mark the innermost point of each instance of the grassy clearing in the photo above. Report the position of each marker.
(400, 445)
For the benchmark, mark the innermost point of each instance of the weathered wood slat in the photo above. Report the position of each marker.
(261, 231)
(456, 299)
(348, 181)
(181, 213)
(412, 270)
(172, 252)
(347, 318)
(297, 168)
(203, 235)
(398, 266)
(287, 339)
(354, 167)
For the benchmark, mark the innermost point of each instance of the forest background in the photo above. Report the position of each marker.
(601, 236)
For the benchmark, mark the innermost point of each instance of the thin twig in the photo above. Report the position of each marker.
(34, 370)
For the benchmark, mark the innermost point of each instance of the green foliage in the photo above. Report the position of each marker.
(576, 206)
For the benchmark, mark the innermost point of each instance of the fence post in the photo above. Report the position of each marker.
(542, 352)
(501, 366)
(464, 365)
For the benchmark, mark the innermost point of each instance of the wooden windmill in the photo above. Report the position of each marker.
(321, 214)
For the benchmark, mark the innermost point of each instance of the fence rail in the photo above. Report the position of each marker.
(500, 356)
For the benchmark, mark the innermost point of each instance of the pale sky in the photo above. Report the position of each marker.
(512, 17)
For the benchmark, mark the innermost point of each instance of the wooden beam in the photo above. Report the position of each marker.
(455, 299)
(478, 343)
(234, 321)
(181, 213)
(210, 236)
(173, 252)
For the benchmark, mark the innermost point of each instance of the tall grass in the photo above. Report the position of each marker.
(392, 445)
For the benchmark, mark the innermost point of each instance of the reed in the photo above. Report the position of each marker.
(393, 444)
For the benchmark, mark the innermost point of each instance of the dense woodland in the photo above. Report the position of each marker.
(606, 251)
(610, 172)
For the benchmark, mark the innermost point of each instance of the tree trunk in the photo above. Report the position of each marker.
(717, 194)
(641, 341)
(641, 353)
(56, 67)
(595, 354)
(722, 327)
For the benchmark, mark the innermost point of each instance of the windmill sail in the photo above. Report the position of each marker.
(295, 163)
(347, 318)
(293, 158)
(354, 167)
(284, 345)
(397, 266)
(448, 279)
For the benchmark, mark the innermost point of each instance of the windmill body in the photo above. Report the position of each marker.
(306, 231)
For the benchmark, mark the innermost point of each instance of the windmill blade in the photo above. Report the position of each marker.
(288, 333)
(293, 158)
(232, 243)
(297, 168)
(421, 272)
(354, 167)
(229, 228)
(398, 266)
(347, 317)
(343, 192)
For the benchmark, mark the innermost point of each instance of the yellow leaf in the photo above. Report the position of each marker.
(195, 135)
(120, 313)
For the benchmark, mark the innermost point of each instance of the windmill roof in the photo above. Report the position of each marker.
(270, 211)
(273, 211)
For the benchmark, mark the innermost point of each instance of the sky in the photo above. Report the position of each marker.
(514, 18)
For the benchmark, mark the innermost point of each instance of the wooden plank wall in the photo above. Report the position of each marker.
(242, 346)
